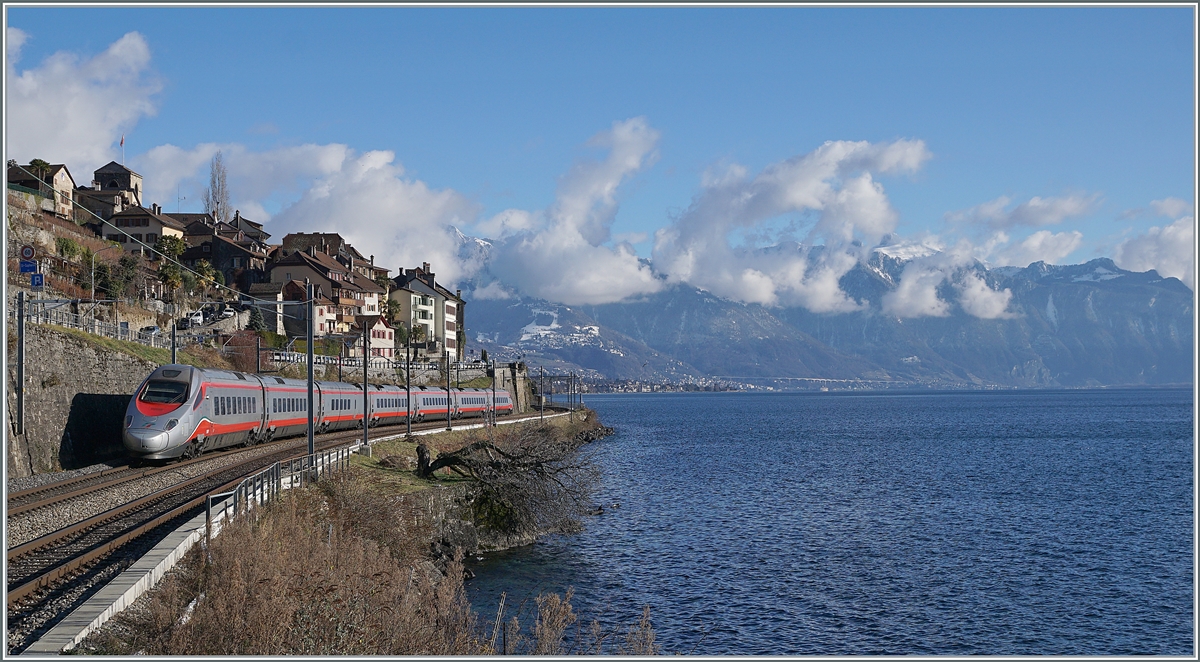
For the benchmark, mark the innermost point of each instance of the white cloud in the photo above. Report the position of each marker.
(1171, 207)
(402, 222)
(917, 292)
(508, 223)
(14, 39)
(1036, 211)
(833, 182)
(253, 177)
(1169, 250)
(73, 110)
(1042, 245)
(981, 301)
(493, 290)
(563, 259)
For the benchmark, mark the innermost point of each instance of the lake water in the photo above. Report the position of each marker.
(1000, 523)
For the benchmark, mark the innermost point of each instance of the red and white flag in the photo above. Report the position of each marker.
(122, 140)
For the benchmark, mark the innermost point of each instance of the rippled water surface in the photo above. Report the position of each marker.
(1052, 522)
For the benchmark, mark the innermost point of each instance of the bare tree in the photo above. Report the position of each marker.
(216, 196)
(531, 479)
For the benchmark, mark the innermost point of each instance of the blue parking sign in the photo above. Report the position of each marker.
(28, 267)
(37, 281)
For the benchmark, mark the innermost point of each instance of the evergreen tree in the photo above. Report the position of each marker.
(256, 323)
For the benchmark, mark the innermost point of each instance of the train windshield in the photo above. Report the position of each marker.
(164, 392)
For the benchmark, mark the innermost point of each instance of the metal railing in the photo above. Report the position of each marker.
(64, 318)
(267, 484)
(375, 362)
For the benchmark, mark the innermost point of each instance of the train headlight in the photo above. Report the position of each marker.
(172, 423)
(128, 421)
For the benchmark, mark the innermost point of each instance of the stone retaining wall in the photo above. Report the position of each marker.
(75, 399)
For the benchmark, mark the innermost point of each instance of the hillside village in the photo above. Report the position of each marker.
(172, 261)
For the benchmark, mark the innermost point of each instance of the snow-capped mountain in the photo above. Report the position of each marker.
(1069, 325)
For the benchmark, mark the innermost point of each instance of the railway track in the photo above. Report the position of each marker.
(54, 493)
(40, 563)
(49, 576)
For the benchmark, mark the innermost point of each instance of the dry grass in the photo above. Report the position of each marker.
(344, 568)
(322, 571)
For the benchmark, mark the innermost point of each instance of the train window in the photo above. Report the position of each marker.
(165, 392)
(170, 373)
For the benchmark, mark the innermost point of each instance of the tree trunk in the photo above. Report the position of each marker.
(423, 461)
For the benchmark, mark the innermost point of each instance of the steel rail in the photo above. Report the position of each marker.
(101, 549)
(45, 579)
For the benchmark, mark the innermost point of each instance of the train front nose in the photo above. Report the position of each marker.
(146, 441)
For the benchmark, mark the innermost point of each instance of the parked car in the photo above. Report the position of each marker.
(196, 318)
(227, 313)
(148, 332)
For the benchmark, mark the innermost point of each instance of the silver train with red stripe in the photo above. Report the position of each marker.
(182, 411)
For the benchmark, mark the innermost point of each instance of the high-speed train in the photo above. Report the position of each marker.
(182, 411)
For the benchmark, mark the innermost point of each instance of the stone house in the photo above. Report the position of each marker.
(325, 312)
(381, 336)
(56, 185)
(426, 304)
(136, 228)
(351, 294)
(333, 245)
(114, 189)
(241, 259)
(268, 298)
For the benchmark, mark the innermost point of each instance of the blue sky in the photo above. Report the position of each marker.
(1087, 111)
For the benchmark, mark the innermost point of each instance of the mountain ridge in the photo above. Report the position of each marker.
(1086, 325)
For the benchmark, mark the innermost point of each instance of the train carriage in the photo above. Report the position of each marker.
(233, 410)
(473, 402)
(181, 411)
(287, 406)
(389, 404)
(430, 404)
(341, 406)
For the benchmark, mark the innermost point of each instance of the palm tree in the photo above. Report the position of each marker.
(206, 274)
(40, 169)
